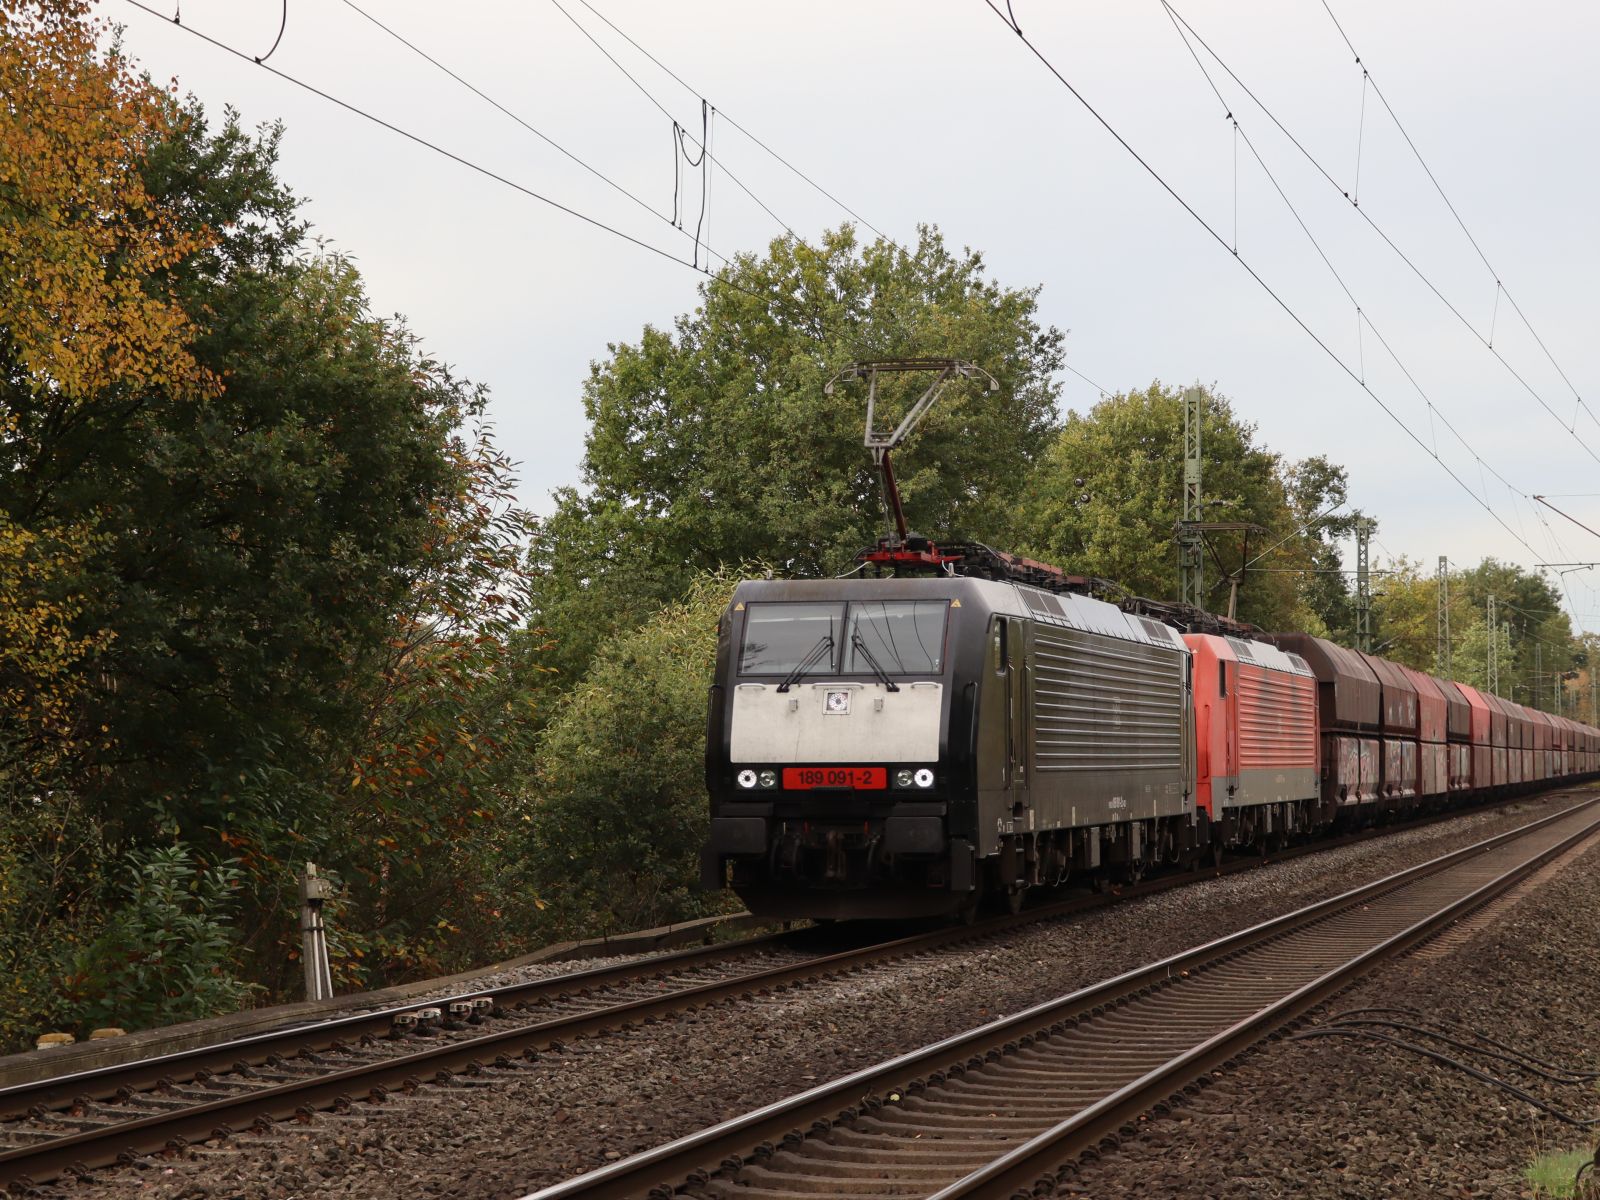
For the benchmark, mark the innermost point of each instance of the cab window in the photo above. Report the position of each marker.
(778, 637)
(906, 637)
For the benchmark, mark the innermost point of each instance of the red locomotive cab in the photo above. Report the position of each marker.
(1255, 725)
(1216, 709)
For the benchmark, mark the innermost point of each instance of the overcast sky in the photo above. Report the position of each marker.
(936, 112)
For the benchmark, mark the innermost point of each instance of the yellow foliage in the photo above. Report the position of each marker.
(83, 304)
(41, 652)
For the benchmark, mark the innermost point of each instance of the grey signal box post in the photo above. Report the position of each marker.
(314, 891)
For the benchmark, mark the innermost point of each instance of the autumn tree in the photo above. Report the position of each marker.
(254, 545)
(92, 316)
(714, 441)
(89, 323)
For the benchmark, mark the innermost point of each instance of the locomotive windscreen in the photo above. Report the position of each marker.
(906, 636)
(779, 636)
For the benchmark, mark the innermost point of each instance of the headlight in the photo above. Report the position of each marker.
(923, 777)
(769, 779)
(902, 779)
(747, 779)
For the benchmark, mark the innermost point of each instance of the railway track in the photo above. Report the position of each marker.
(995, 1113)
(77, 1123)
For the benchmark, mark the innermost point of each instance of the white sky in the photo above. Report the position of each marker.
(936, 112)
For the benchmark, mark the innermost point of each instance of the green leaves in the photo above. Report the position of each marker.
(1107, 495)
(166, 955)
(714, 442)
(618, 804)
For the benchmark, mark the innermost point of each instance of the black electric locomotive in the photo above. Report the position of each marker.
(898, 747)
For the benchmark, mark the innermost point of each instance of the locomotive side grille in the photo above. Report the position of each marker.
(1277, 726)
(1103, 704)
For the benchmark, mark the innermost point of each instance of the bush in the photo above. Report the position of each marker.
(165, 954)
(621, 810)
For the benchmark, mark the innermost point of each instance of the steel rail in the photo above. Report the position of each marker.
(1017, 1172)
(101, 1083)
(88, 1149)
(696, 1158)
(182, 1066)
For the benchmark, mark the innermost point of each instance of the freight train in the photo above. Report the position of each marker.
(909, 746)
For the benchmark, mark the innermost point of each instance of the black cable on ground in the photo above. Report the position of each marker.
(1467, 1068)
(1435, 1028)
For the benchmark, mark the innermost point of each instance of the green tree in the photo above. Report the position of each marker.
(1106, 498)
(619, 813)
(714, 442)
(1405, 614)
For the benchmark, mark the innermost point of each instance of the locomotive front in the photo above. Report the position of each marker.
(834, 789)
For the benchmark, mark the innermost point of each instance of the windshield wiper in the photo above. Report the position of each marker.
(824, 644)
(860, 644)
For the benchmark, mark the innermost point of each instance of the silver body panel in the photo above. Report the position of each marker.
(800, 726)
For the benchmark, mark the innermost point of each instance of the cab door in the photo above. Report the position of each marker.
(1019, 733)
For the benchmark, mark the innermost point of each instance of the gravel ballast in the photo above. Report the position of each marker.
(1332, 1117)
(596, 1100)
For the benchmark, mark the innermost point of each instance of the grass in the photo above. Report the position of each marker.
(1552, 1172)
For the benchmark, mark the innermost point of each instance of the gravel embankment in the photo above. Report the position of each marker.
(601, 1099)
(1331, 1118)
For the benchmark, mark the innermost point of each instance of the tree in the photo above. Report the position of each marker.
(86, 305)
(251, 537)
(43, 653)
(88, 321)
(1106, 498)
(714, 442)
(1534, 641)
(618, 814)
(1405, 617)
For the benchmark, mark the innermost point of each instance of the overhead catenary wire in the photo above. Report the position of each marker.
(1360, 316)
(1015, 28)
(723, 117)
(1433, 179)
(1362, 320)
(1500, 288)
(854, 215)
(1568, 516)
(666, 112)
(1068, 366)
(490, 100)
(1427, 281)
(1296, 533)
(461, 160)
